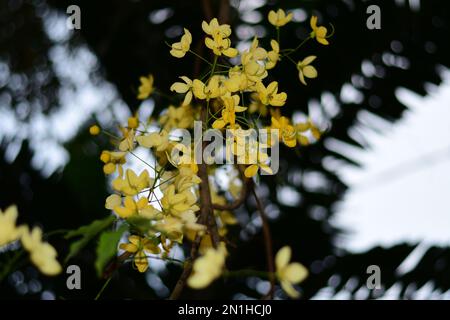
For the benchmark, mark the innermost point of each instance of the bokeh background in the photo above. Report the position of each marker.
(373, 191)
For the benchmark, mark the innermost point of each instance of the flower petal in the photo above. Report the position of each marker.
(282, 258)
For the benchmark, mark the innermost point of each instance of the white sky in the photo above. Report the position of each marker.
(401, 193)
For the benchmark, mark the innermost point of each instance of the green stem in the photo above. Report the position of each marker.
(214, 65)
(102, 289)
(10, 264)
(298, 47)
(55, 232)
(200, 57)
(111, 135)
(145, 162)
(292, 60)
(162, 94)
(278, 35)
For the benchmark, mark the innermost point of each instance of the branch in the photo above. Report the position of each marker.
(267, 243)
(207, 9)
(206, 209)
(181, 283)
(224, 10)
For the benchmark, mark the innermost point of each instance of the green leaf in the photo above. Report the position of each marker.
(87, 233)
(107, 247)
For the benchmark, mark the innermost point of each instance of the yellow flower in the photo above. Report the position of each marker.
(228, 113)
(132, 184)
(186, 177)
(180, 118)
(252, 62)
(279, 18)
(306, 70)
(146, 87)
(179, 49)
(289, 273)
(42, 254)
(139, 247)
(269, 95)
(213, 27)
(113, 201)
(219, 42)
(208, 267)
(180, 87)
(177, 203)
(237, 80)
(287, 132)
(8, 230)
(94, 130)
(210, 91)
(220, 45)
(320, 33)
(302, 128)
(262, 159)
(158, 140)
(127, 142)
(256, 105)
(112, 160)
(273, 56)
(172, 228)
(131, 207)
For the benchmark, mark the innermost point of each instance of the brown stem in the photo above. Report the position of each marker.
(267, 243)
(206, 209)
(181, 283)
(114, 265)
(207, 9)
(224, 16)
(182, 280)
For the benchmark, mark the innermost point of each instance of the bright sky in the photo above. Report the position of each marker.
(401, 193)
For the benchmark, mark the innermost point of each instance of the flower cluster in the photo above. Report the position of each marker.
(161, 203)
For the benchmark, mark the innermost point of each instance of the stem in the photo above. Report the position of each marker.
(145, 162)
(102, 289)
(245, 273)
(214, 65)
(113, 136)
(206, 210)
(298, 47)
(181, 283)
(10, 264)
(292, 60)
(278, 35)
(267, 243)
(203, 218)
(200, 57)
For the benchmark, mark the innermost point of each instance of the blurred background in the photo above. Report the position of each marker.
(373, 191)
